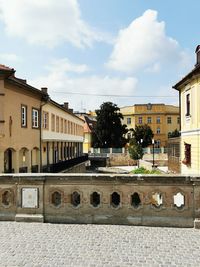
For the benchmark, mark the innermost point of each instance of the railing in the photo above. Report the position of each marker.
(108, 199)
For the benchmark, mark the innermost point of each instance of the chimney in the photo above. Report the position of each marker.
(71, 110)
(44, 90)
(66, 105)
(197, 51)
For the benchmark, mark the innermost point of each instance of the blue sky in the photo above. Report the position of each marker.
(81, 49)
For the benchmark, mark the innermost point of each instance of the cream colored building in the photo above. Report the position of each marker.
(189, 91)
(62, 135)
(163, 119)
(36, 133)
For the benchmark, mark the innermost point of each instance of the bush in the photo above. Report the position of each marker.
(142, 170)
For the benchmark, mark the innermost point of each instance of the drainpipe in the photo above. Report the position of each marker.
(46, 98)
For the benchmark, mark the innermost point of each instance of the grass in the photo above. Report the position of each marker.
(142, 170)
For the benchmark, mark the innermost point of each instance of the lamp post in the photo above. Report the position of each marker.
(153, 142)
(139, 142)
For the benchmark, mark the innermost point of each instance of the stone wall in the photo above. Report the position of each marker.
(103, 199)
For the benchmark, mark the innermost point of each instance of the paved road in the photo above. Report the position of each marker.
(35, 244)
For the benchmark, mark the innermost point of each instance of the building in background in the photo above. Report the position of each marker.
(189, 92)
(36, 133)
(89, 130)
(163, 119)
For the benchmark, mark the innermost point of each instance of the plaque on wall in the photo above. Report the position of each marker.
(29, 197)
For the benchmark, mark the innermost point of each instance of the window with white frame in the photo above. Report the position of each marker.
(169, 120)
(23, 116)
(149, 120)
(35, 118)
(158, 119)
(45, 120)
(158, 130)
(187, 105)
(128, 120)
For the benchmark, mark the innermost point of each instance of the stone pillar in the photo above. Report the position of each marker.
(16, 161)
(29, 160)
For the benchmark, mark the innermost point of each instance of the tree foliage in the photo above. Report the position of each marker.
(144, 133)
(109, 131)
(141, 137)
(135, 150)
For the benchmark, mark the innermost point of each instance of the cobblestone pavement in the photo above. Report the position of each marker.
(36, 244)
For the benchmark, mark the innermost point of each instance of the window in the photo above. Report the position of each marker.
(188, 105)
(57, 124)
(169, 120)
(140, 120)
(61, 125)
(52, 122)
(128, 120)
(178, 120)
(158, 119)
(149, 120)
(187, 159)
(157, 144)
(24, 116)
(35, 118)
(158, 130)
(45, 120)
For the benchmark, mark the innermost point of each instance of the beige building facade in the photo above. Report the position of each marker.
(28, 140)
(189, 91)
(163, 119)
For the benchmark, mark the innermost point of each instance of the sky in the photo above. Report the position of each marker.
(92, 51)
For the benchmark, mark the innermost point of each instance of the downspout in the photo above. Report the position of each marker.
(41, 105)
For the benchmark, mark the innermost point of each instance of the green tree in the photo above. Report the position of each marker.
(141, 137)
(135, 150)
(109, 131)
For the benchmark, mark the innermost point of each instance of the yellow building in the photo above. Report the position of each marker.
(163, 119)
(36, 133)
(19, 123)
(89, 123)
(189, 92)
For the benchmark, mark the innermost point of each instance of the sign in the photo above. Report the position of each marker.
(29, 197)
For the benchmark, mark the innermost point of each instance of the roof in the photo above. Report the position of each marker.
(188, 77)
(5, 68)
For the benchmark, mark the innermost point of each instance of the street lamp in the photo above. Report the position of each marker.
(153, 142)
(139, 143)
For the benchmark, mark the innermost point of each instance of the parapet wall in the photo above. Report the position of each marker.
(102, 199)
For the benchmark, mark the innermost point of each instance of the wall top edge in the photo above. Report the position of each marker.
(101, 178)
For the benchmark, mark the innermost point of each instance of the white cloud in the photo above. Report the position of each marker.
(47, 22)
(6, 57)
(145, 45)
(60, 85)
(64, 65)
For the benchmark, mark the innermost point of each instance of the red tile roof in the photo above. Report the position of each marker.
(3, 67)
